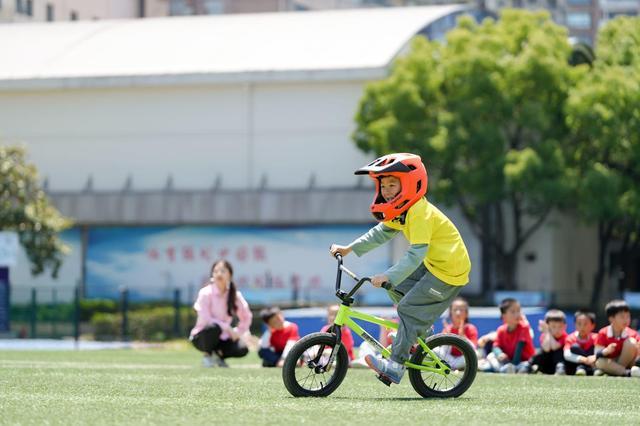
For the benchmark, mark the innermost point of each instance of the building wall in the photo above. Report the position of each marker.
(63, 10)
(243, 134)
(575, 250)
(560, 258)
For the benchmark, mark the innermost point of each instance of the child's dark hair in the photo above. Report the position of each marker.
(231, 298)
(466, 306)
(587, 314)
(615, 306)
(267, 313)
(506, 304)
(555, 315)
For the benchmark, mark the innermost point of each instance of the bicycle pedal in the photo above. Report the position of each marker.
(384, 380)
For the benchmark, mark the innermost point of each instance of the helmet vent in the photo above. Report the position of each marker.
(418, 186)
(411, 167)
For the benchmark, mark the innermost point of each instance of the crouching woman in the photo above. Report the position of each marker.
(217, 304)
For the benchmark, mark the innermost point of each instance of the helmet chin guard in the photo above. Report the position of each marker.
(410, 170)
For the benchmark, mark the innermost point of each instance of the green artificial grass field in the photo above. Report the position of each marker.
(168, 386)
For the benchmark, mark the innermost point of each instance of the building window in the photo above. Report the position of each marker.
(612, 15)
(196, 7)
(20, 6)
(29, 8)
(579, 2)
(579, 20)
(50, 12)
(73, 15)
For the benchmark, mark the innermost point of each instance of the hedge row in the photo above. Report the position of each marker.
(153, 324)
(63, 311)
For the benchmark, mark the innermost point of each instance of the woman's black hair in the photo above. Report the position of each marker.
(231, 298)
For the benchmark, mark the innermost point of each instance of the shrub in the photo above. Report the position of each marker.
(154, 324)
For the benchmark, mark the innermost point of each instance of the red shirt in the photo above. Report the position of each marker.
(562, 339)
(508, 340)
(346, 338)
(279, 338)
(468, 330)
(585, 344)
(606, 337)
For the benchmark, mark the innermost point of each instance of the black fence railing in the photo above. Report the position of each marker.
(62, 313)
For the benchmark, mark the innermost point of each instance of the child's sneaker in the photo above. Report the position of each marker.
(581, 371)
(207, 361)
(493, 362)
(508, 368)
(523, 368)
(598, 372)
(387, 369)
(484, 366)
(635, 371)
(560, 369)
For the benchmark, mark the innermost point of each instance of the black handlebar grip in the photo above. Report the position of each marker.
(387, 285)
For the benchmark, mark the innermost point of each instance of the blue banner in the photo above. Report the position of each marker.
(271, 265)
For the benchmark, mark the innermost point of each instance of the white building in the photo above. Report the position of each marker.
(235, 120)
(69, 10)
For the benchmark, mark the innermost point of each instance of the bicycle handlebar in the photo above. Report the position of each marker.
(346, 296)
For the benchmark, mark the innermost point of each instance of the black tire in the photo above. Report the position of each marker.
(451, 385)
(303, 370)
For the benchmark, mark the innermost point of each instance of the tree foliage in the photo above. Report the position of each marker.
(25, 209)
(603, 113)
(485, 112)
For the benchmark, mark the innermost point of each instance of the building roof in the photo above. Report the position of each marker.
(325, 45)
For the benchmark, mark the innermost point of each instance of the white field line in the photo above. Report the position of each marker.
(105, 366)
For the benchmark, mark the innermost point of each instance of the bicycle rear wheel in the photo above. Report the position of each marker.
(306, 370)
(458, 355)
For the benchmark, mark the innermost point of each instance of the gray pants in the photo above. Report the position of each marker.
(425, 299)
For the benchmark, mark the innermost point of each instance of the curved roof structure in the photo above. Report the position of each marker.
(327, 45)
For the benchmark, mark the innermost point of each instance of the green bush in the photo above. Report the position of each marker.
(154, 324)
(63, 311)
(90, 307)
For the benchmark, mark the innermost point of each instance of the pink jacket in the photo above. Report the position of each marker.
(211, 306)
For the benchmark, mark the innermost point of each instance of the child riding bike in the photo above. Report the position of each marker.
(432, 271)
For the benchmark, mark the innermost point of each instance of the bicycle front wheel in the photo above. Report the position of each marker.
(307, 370)
(462, 363)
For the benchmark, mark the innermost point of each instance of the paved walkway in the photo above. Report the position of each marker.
(60, 345)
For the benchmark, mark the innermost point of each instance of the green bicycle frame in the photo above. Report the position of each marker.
(345, 316)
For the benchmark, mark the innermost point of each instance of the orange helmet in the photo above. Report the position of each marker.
(413, 179)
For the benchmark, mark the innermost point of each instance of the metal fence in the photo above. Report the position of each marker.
(62, 313)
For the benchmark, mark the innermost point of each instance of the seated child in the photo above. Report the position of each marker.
(549, 359)
(280, 336)
(513, 346)
(385, 337)
(345, 336)
(460, 325)
(616, 349)
(579, 357)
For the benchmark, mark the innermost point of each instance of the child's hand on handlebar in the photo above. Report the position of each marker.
(342, 250)
(378, 280)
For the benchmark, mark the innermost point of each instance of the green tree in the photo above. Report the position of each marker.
(603, 113)
(25, 209)
(485, 111)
